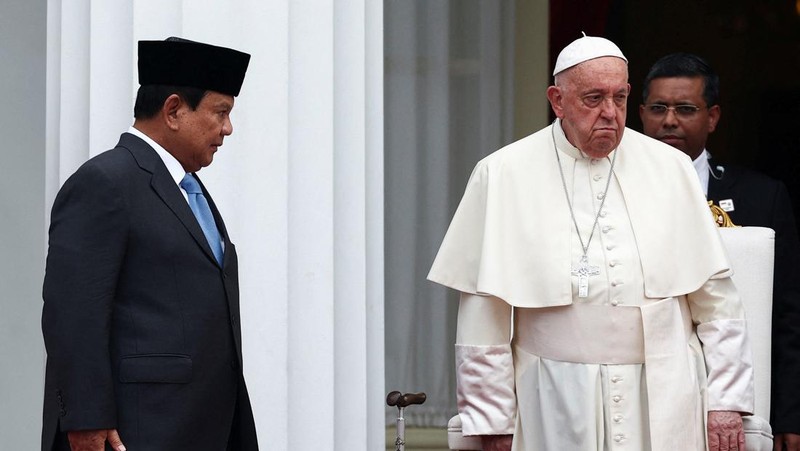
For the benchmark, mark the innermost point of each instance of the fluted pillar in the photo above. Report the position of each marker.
(299, 183)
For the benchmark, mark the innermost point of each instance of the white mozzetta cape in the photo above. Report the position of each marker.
(510, 236)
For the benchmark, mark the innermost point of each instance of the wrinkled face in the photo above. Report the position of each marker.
(591, 101)
(200, 132)
(687, 121)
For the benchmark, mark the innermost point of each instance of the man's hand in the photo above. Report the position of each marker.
(787, 442)
(95, 440)
(725, 432)
(496, 442)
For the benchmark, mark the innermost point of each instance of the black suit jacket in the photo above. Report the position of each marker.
(140, 323)
(759, 200)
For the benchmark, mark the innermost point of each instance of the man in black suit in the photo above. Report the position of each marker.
(681, 94)
(141, 296)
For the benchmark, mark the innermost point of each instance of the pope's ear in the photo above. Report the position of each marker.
(170, 109)
(556, 98)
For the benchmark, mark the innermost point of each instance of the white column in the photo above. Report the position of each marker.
(311, 382)
(73, 88)
(374, 174)
(299, 183)
(111, 98)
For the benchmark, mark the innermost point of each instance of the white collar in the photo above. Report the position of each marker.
(173, 165)
(703, 169)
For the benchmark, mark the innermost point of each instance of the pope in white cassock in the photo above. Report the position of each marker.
(597, 310)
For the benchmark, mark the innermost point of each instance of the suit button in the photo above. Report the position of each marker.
(63, 412)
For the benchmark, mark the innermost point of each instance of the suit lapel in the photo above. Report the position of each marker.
(166, 189)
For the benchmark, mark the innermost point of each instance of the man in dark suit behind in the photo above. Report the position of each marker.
(141, 303)
(681, 94)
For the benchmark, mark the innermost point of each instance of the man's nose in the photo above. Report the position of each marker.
(608, 109)
(227, 127)
(670, 119)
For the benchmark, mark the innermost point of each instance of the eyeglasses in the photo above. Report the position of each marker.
(683, 111)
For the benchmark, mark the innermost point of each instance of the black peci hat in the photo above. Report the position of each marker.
(180, 62)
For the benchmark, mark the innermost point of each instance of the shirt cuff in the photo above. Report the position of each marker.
(485, 379)
(729, 363)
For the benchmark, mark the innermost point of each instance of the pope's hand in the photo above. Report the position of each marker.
(725, 431)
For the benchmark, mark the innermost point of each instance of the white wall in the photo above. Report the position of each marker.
(300, 185)
(22, 212)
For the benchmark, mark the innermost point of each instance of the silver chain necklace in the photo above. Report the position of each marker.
(582, 269)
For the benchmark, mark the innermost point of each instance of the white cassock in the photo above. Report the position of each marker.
(659, 340)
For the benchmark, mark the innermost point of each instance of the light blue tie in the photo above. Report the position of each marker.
(201, 210)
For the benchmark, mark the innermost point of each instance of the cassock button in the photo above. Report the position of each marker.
(616, 379)
(614, 303)
(597, 177)
(619, 438)
(616, 398)
(603, 213)
(606, 229)
(600, 196)
(617, 418)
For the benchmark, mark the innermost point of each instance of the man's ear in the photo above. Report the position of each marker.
(556, 98)
(170, 110)
(714, 114)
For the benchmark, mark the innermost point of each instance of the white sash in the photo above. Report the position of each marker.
(657, 334)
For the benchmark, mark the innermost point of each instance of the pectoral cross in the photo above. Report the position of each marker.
(583, 271)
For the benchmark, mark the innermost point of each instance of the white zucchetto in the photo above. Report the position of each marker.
(585, 49)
